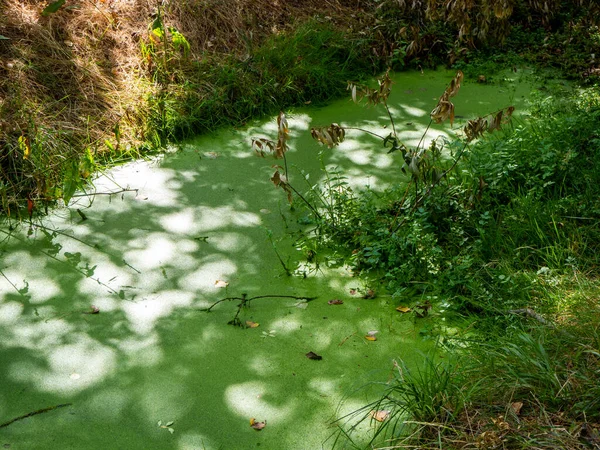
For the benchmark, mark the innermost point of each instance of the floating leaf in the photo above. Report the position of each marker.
(257, 425)
(93, 310)
(160, 423)
(221, 284)
(370, 294)
(211, 155)
(302, 304)
(335, 302)
(403, 309)
(380, 415)
(75, 376)
(370, 337)
(314, 356)
(168, 424)
(171, 430)
(251, 324)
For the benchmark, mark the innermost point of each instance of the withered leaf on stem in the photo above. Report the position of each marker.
(445, 108)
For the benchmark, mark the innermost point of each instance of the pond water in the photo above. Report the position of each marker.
(203, 224)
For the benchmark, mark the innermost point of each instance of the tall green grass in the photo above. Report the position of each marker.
(309, 65)
(511, 243)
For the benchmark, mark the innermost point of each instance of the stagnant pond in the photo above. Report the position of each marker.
(101, 319)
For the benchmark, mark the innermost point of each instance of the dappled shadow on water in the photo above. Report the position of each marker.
(106, 313)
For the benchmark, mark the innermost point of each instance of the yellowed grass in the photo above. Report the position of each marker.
(80, 70)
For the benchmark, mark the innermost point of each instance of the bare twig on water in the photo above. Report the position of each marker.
(34, 413)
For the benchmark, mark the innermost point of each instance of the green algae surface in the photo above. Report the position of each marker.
(103, 310)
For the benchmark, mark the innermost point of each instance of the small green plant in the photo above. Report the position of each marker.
(414, 404)
(167, 426)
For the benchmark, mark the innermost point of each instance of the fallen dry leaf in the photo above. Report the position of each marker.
(380, 415)
(257, 425)
(371, 335)
(501, 423)
(313, 355)
(251, 324)
(403, 309)
(335, 302)
(221, 284)
(370, 294)
(516, 407)
(93, 310)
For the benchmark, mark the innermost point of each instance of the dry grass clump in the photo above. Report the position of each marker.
(74, 84)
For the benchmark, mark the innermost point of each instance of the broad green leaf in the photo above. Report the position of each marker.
(157, 24)
(53, 7)
(24, 147)
(4, 38)
(168, 424)
(71, 183)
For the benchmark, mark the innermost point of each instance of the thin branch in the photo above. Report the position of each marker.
(391, 118)
(423, 135)
(107, 193)
(34, 413)
(245, 299)
(365, 131)
(11, 283)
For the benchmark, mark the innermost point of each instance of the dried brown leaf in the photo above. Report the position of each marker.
(516, 407)
(257, 425)
(380, 415)
(314, 356)
(221, 284)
